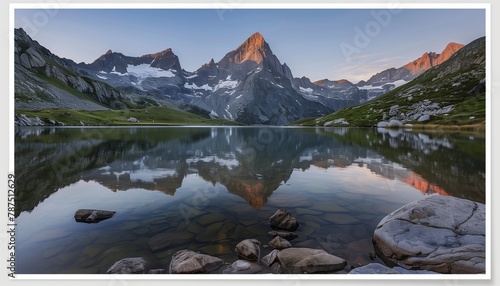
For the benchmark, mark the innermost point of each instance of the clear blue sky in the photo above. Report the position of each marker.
(313, 43)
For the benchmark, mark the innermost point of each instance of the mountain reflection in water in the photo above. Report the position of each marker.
(250, 162)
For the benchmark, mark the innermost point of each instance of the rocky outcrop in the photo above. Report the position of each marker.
(128, 266)
(248, 249)
(31, 59)
(92, 216)
(43, 76)
(438, 233)
(190, 262)
(308, 260)
(23, 120)
(283, 220)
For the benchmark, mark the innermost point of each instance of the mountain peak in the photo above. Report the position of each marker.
(450, 49)
(109, 52)
(453, 47)
(254, 48)
(256, 38)
(166, 52)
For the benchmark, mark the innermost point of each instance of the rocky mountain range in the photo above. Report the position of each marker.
(451, 93)
(248, 85)
(391, 78)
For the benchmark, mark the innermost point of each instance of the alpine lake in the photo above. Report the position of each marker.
(212, 187)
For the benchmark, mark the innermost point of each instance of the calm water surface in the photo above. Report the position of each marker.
(211, 187)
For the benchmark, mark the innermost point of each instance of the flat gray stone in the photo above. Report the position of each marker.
(377, 268)
(190, 262)
(243, 267)
(438, 233)
(133, 265)
(309, 260)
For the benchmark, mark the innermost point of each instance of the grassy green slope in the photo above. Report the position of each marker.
(148, 116)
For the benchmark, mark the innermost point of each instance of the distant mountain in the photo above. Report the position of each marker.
(451, 93)
(248, 85)
(399, 76)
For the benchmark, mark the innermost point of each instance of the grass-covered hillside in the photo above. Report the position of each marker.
(146, 116)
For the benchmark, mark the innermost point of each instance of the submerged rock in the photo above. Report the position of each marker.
(190, 262)
(284, 234)
(169, 239)
(242, 267)
(377, 268)
(92, 216)
(248, 249)
(438, 233)
(133, 265)
(280, 243)
(309, 260)
(284, 220)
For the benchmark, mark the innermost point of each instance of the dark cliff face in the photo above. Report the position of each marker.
(44, 78)
(250, 85)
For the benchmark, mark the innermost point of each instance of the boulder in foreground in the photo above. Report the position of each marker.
(438, 233)
(190, 262)
(133, 265)
(309, 260)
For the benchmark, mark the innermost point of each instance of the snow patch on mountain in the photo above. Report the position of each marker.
(395, 83)
(306, 90)
(194, 86)
(226, 84)
(145, 70)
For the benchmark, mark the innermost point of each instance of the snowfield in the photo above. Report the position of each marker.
(397, 83)
(145, 70)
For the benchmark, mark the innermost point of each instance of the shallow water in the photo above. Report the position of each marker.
(210, 187)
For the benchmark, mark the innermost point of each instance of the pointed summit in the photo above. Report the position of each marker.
(450, 49)
(254, 48)
(108, 54)
(256, 39)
